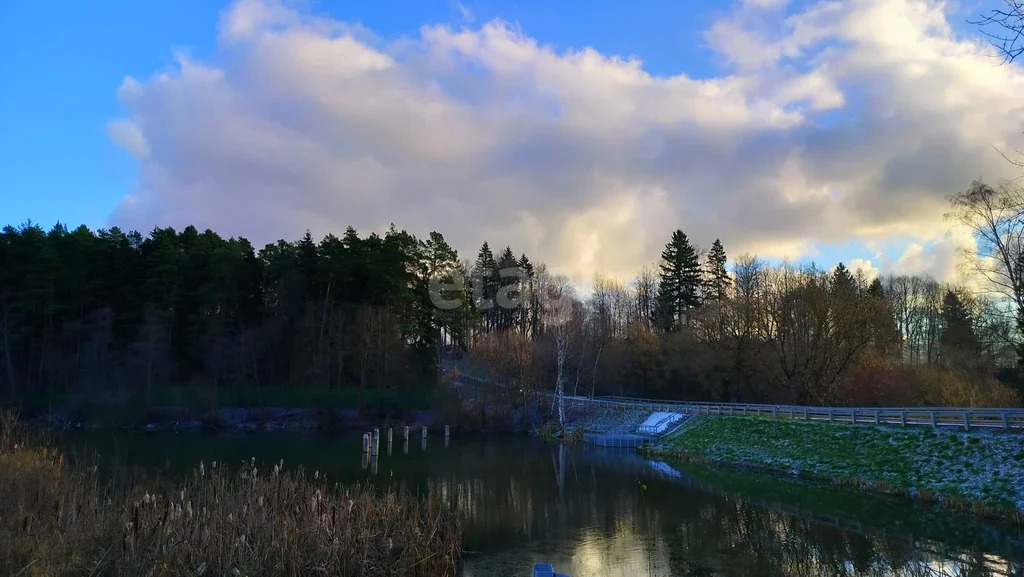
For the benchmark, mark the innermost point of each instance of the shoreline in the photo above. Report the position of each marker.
(741, 443)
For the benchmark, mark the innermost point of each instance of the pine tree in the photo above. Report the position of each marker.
(957, 340)
(875, 289)
(484, 287)
(842, 279)
(680, 282)
(716, 281)
(439, 264)
(507, 291)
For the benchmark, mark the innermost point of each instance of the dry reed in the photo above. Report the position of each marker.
(57, 519)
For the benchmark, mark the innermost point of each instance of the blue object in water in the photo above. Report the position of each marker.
(545, 570)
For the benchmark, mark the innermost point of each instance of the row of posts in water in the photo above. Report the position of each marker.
(371, 444)
(371, 440)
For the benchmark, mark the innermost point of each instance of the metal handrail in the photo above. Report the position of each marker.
(966, 417)
(998, 418)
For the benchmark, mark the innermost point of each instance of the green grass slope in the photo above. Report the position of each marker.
(979, 471)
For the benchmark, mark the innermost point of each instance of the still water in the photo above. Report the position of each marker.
(596, 512)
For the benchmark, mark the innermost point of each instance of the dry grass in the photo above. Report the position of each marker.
(60, 520)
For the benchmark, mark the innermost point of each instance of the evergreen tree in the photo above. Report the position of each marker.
(529, 316)
(680, 282)
(886, 339)
(440, 263)
(508, 289)
(842, 280)
(716, 281)
(484, 286)
(958, 342)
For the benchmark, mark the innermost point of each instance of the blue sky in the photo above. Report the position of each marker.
(61, 64)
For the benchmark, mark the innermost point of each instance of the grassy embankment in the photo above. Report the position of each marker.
(979, 472)
(57, 519)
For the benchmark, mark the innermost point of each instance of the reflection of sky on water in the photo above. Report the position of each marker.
(596, 512)
(666, 524)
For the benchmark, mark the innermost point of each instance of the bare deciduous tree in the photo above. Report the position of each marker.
(1005, 29)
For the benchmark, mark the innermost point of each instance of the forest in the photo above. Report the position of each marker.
(115, 314)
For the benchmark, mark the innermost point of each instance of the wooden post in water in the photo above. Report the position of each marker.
(424, 430)
(447, 431)
(376, 442)
(407, 433)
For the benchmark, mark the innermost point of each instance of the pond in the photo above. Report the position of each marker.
(596, 512)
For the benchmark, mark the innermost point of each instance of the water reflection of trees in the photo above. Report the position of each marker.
(609, 523)
(587, 511)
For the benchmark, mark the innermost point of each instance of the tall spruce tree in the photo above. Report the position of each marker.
(484, 286)
(842, 280)
(680, 282)
(507, 289)
(958, 342)
(529, 317)
(716, 280)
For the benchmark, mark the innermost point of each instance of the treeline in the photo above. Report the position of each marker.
(772, 334)
(116, 312)
(692, 329)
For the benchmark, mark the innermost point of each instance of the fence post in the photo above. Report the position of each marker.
(831, 416)
(807, 414)
(1006, 421)
(774, 409)
(935, 421)
(903, 418)
(876, 416)
(967, 421)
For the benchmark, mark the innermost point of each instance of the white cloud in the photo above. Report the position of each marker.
(865, 266)
(128, 136)
(840, 121)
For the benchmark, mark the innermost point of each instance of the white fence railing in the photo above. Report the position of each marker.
(966, 418)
